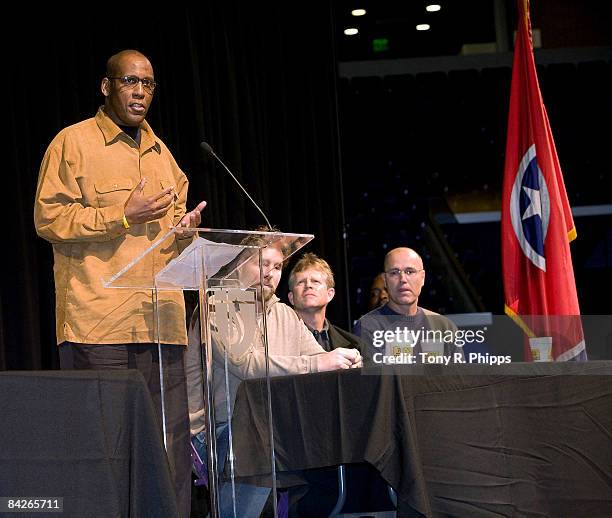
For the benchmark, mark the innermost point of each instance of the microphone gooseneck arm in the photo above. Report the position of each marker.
(209, 151)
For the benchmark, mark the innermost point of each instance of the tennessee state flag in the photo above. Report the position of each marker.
(537, 223)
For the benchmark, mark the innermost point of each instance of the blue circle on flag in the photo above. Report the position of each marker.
(530, 208)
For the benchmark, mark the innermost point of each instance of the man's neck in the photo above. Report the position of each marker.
(132, 131)
(259, 304)
(404, 309)
(314, 320)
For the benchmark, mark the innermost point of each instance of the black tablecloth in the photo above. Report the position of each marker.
(88, 436)
(466, 440)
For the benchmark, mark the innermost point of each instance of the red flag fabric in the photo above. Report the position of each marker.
(537, 223)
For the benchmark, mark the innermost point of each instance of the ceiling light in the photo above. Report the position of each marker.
(432, 8)
(351, 31)
(359, 12)
(419, 27)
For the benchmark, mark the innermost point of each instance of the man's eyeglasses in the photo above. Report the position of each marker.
(132, 81)
(397, 272)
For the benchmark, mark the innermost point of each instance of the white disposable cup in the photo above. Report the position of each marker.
(541, 348)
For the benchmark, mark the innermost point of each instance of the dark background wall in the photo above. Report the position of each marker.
(423, 141)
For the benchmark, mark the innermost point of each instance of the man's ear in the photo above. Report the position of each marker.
(105, 86)
(290, 295)
(330, 294)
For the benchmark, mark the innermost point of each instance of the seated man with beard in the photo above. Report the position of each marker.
(292, 349)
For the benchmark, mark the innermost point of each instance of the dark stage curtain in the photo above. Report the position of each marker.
(256, 81)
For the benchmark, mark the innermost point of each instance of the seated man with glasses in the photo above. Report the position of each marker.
(401, 331)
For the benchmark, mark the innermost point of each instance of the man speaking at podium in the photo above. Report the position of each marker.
(108, 188)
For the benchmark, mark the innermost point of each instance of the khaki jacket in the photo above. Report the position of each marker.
(86, 176)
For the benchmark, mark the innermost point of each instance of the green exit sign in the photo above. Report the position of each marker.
(380, 44)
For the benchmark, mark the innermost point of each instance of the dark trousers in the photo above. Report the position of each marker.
(145, 358)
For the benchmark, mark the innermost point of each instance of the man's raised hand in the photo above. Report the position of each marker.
(142, 209)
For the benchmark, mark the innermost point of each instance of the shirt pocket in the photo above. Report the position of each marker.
(113, 192)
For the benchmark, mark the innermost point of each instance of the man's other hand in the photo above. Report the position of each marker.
(194, 218)
(340, 358)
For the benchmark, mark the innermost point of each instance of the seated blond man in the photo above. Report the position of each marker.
(311, 289)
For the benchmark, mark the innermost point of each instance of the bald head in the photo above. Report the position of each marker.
(115, 62)
(404, 278)
(128, 87)
(403, 253)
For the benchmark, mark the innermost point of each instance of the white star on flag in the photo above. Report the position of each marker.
(535, 204)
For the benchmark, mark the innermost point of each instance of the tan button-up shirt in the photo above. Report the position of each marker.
(291, 350)
(85, 178)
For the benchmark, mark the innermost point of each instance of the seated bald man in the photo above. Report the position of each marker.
(401, 326)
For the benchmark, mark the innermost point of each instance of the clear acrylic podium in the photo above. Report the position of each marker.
(225, 268)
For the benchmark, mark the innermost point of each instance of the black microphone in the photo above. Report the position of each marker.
(208, 151)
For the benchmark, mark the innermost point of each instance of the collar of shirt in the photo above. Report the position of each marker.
(112, 132)
(322, 337)
(386, 310)
(132, 131)
(325, 326)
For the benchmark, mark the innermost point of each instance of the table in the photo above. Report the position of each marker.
(464, 440)
(90, 437)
